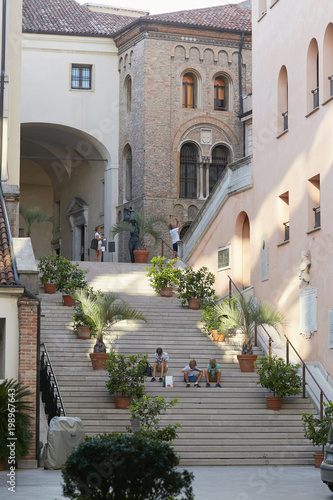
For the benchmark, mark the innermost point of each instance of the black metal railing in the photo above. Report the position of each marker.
(285, 120)
(331, 85)
(315, 93)
(305, 369)
(54, 406)
(317, 216)
(286, 230)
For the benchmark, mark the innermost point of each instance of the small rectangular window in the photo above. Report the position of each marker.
(283, 217)
(81, 76)
(223, 258)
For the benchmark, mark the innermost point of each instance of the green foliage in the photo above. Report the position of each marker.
(148, 411)
(147, 226)
(81, 319)
(124, 467)
(34, 216)
(244, 315)
(12, 394)
(126, 374)
(279, 377)
(48, 268)
(105, 309)
(163, 272)
(197, 284)
(316, 430)
(69, 276)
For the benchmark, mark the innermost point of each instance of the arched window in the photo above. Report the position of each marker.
(188, 171)
(189, 91)
(283, 100)
(328, 62)
(128, 173)
(220, 159)
(313, 76)
(128, 92)
(221, 94)
(262, 8)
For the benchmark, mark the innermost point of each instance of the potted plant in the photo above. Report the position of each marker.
(83, 325)
(126, 378)
(69, 278)
(104, 310)
(48, 265)
(316, 430)
(280, 378)
(196, 287)
(14, 409)
(245, 316)
(34, 216)
(144, 226)
(163, 275)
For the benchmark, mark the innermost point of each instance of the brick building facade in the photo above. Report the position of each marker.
(181, 76)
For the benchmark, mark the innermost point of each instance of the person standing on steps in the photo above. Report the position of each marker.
(99, 238)
(174, 233)
(192, 374)
(160, 364)
(213, 373)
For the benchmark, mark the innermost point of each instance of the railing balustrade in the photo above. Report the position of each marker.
(315, 93)
(331, 85)
(317, 216)
(51, 396)
(285, 120)
(286, 230)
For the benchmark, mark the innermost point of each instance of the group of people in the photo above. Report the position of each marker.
(191, 372)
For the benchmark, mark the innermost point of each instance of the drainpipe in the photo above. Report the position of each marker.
(2, 76)
(240, 83)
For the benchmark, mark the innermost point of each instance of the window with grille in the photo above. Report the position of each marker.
(188, 171)
(220, 94)
(189, 91)
(81, 76)
(220, 159)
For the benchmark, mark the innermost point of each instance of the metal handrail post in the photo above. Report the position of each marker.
(287, 352)
(304, 380)
(270, 347)
(321, 405)
(255, 335)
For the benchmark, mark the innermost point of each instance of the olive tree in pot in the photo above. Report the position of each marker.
(48, 266)
(143, 226)
(104, 311)
(244, 316)
(316, 430)
(280, 378)
(163, 275)
(126, 378)
(69, 278)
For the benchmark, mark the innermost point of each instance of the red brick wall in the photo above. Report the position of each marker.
(28, 321)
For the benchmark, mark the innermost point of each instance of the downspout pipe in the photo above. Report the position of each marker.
(2, 77)
(240, 81)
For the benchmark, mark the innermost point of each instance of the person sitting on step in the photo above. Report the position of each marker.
(160, 364)
(213, 373)
(192, 374)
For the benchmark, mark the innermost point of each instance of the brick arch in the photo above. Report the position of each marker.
(204, 121)
(226, 58)
(180, 46)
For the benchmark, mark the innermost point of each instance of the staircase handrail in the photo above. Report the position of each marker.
(163, 242)
(305, 369)
(52, 374)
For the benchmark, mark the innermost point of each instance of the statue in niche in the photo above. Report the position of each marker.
(304, 268)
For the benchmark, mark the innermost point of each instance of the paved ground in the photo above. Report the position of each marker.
(218, 483)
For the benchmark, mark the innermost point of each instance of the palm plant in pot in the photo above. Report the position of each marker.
(244, 316)
(145, 227)
(211, 324)
(196, 287)
(280, 378)
(316, 430)
(163, 275)
(104, 311)
(83, 325)
(126, 378)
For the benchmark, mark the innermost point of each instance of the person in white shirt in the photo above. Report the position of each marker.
(160, 364)
(99, 238)
(174, 233)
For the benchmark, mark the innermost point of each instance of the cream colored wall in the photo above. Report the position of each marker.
(48, 98)
(9, 357)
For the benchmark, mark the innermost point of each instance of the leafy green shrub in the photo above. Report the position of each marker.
(124, 467)
(279, 377)
(162, 273)
(69, 276)
(48, 268)
(12, 394)
(316, 430)
(126, 374)
(197, 284)
(148, 410)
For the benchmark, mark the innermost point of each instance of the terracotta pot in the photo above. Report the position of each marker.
(194, 303)
(318, 458)
(166, 291)
(68, 300)
(274, 402)
(141, 256)
(218, 337)
(83, 332)
(122, 402)
(98, 360)
(246, 362)
(49, 288)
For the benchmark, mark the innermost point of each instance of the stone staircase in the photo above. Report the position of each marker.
(228, 426)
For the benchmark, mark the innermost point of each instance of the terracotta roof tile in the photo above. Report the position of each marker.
(6, 264)
(69, 17)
